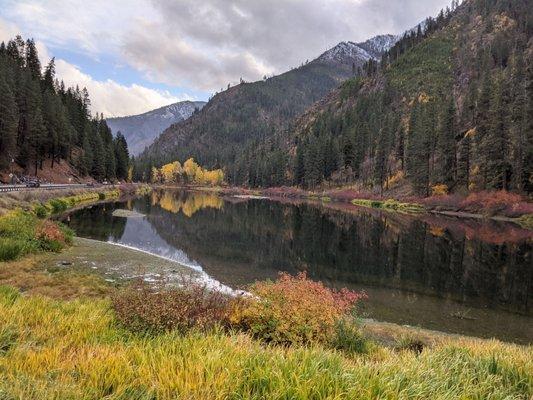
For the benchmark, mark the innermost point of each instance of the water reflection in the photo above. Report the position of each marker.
(464, 276)
(187, 204)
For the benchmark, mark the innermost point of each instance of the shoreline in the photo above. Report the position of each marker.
(103, 259)
(278, 194)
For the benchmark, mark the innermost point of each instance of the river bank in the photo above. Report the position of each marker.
(69, 314)
(499, 206)
(91, 269)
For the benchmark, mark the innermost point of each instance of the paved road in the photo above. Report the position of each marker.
(47, 186)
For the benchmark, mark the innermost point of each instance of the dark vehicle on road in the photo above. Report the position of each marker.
(35, 183)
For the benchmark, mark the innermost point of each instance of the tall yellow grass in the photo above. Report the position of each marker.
(53, 349)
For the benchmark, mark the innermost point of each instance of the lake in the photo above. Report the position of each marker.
(456, 275)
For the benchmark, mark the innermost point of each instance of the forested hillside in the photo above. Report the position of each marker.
(245, 115)
(447, 109)
(450, 108)
(41, 119)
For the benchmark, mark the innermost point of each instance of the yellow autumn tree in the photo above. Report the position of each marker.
(155, 175)
(214, 177)
(171, 172)
(190, 169)
(130, 174)
(190, 172)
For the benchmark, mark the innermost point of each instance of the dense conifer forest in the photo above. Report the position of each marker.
(450, 107)
(41, 119)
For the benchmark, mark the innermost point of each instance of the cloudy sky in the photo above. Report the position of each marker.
(136, 55)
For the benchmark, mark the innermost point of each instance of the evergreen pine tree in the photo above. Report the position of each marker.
(495, 141)
(121, 156)
(299, 166)
(418, 148)
(446, 146)
(528, 133)
(8, 123)
(32, 60)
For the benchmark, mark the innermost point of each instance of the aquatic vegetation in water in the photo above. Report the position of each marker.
(390, 204)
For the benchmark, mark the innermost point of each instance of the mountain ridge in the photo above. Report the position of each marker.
(243, 114)
(450, 110)
(140, 130)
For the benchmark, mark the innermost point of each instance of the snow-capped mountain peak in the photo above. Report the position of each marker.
(349, 52)
(345, 51)
(379, 44)
(141, 130)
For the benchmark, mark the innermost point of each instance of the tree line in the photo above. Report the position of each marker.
(42, 119)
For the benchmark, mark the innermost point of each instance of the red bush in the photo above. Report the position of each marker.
(492, 202)
(145, 308)
(293, 310)
(485, 202)
(50, 231)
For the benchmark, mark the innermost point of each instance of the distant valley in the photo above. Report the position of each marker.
(141, 130)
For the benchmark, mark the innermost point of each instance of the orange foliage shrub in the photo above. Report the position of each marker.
(292, 310)
(49, 231)
(51, 236)
(491, 202)
(439, 190)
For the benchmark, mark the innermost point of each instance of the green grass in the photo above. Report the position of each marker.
(61, 204)
(75, 350)
(19, 235)
(390, 204)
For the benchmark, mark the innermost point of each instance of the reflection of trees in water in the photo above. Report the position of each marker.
(342, 248)
(97, 222)
(187, 203)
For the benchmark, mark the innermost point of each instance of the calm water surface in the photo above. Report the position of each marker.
(455, 275)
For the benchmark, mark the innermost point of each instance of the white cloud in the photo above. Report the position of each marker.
(112, 98)
(208, 43)
(94, 26)
(203, 45)
(8, 30)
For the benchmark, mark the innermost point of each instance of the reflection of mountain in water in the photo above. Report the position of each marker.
(255, 239)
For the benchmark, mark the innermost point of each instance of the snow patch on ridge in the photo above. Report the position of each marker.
(347, 52)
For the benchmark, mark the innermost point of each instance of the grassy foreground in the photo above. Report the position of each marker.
(53, 349)
(62, 336)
